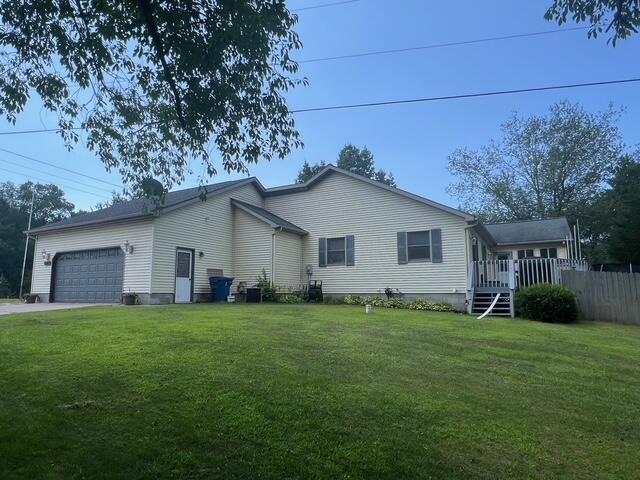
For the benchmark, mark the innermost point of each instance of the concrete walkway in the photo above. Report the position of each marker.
(9, 308)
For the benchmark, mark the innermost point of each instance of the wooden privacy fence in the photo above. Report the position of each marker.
(606, 296)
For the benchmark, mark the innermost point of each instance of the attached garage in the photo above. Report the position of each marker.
(88, 276)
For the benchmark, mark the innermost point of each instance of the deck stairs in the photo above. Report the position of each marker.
(482, 301)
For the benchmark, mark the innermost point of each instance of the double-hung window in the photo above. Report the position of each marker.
(525, 253)
(419, 246)
(549, 252)
(336, 251)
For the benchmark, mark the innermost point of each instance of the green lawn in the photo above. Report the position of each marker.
(305, 391)
(10, 300)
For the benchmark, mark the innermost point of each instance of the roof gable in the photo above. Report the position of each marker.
(301, 187)
(144, 207)
(270, 218)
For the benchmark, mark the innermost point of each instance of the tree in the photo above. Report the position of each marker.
(116, 199)
(49, 206)
(153, 83)
(308, 171)
(49, 202)
(544, 166)
(622, 204)
(622, 17)
(355, 160)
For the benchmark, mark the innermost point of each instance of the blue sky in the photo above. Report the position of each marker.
(413, 141)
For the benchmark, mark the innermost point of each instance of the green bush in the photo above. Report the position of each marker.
(547, 303)
(434, 307)
(398, 303)
(268, 290)
(291, 298)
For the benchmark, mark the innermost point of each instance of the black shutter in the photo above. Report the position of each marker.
(436, 245)
(402, 247)
(322, 252)
(351, 256)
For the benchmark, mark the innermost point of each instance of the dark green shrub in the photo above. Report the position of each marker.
(547, 303)
(291, 298)
(268, 289)
(434, 307)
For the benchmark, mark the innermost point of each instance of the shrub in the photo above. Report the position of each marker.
(268, 290)
(354, 300)
(547, 303)
(395, 303)
(434, 307)
(292, 298)
(398, 303)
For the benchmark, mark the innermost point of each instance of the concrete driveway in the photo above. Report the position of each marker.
(9, 308)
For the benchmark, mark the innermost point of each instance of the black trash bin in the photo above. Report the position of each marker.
(220, 288)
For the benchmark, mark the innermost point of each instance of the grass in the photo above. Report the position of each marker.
(301, 391)
(10, 300)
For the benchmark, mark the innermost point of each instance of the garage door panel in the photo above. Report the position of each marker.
(89, 276)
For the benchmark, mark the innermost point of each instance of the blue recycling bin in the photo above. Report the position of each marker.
(220, 288)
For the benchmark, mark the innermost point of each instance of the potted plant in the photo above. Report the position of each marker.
(130, 298)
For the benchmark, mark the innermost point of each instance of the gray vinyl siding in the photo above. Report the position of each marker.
(251, 248)
(137, 266)
(339, 205)
(288, 261)
(205, 227)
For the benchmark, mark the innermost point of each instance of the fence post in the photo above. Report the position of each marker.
(512, 286)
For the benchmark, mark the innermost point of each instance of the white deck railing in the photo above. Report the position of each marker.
(521, 273)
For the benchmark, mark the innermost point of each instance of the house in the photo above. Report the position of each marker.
(356, 235)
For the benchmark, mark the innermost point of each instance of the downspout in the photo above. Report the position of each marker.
(470, 266)
(273, 255)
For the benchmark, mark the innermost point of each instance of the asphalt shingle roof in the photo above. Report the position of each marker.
(531, 231)
(271, 217)
(138, 207)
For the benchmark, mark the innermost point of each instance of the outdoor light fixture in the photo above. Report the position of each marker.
(201, 254)
(128, 247)
(46, 257)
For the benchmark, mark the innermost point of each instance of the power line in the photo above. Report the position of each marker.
(399, 102)
(466, 95)
(66, 179)
(323, 5)
(441, 45)
(57, 166)
(19, 132)
(39, 179)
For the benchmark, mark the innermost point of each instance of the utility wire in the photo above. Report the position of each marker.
(413, 100)
(19, 132)
(53, 164)
(66, 179)
(39, 179)
(441, 45)
(466, 95)
(323, 5)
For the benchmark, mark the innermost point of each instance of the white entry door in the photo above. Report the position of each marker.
(184, 276)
